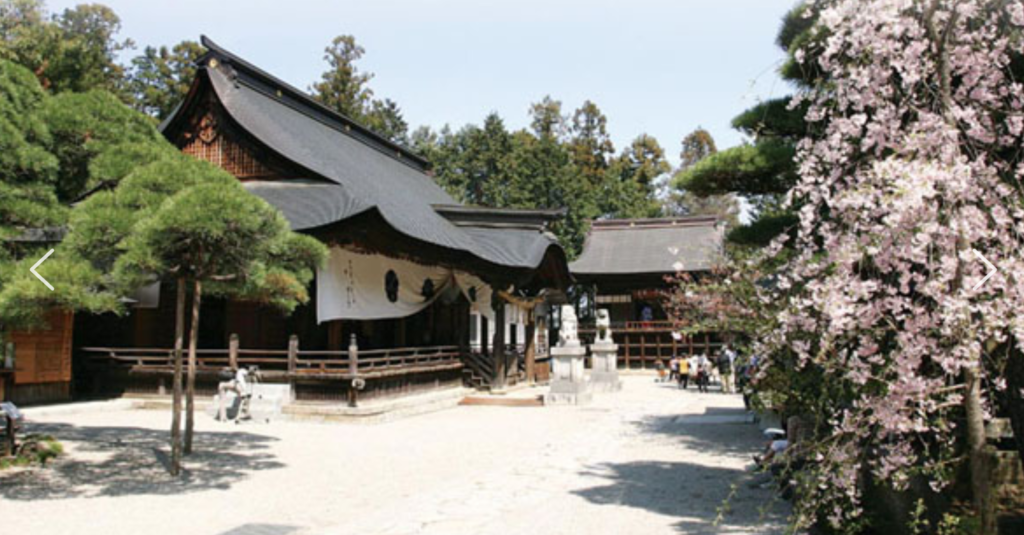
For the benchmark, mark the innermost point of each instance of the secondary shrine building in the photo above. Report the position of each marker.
(419, 291)
(627, 265)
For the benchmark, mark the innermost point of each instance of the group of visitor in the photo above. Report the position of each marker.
(702, 371)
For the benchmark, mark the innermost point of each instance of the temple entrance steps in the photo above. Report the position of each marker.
(520, 395)
(478, 371)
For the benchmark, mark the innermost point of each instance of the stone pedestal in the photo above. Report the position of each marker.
(267, 402)
(568, 381)
(604, 370)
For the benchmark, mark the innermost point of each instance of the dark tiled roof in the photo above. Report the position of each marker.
(307, 204)
(351, 170)
(639, 246)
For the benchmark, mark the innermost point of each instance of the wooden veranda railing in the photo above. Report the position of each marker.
(290, 363)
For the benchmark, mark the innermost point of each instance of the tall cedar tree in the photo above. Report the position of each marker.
(346, 89)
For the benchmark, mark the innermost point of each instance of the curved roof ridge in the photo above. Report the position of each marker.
(316, 109)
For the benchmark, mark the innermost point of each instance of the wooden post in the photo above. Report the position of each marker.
(353, 371)
(463, 316)
(531, 346)
(233, 351)
(643, 351)
(293, 353)
(500, 371)
(626, 345)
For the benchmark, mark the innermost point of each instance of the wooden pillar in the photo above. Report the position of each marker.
(643, 351)
(462, 316)
(531, 346)
(626, 344)
(335, 335)
(293, 353)
(485, 335)
(500, 365)
(233, 351)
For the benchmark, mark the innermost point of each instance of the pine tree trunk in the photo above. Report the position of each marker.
(190, 392)
(980, 488)
(179, 338)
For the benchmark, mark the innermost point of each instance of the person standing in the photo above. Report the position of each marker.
(673, 369)
(703, 371)
(726, 361)
(684, 373)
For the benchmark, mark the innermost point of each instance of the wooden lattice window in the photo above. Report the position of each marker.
(209, 142)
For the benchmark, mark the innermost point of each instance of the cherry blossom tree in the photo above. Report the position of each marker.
(915, 175)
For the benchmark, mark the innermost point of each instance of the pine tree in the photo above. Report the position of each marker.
(763, 171)
(697, 146)
(160, 77)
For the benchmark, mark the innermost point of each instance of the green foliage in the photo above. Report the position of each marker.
(385, 118)
(346, 89)
(34, 449)
(77, 286)
(86, 125)
(101, 224)
(28, 170)
(218, 232)
(591, 146)
(160, 77)
(697, 146)
(761, 231)
(75, 50)
(552, 165)
(546, 119)
(764, 167)
(343, 87)
(772, 118)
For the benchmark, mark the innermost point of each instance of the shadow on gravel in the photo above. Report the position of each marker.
(696, 492)
(722, 430)
(692, 493)
(118, 461)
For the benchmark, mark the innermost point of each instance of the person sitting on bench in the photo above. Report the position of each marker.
(239, 384)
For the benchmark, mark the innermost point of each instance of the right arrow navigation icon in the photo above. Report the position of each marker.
(991, 269)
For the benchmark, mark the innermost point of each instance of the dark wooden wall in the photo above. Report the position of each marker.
(43, 360)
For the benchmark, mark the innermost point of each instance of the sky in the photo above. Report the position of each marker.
(660, 67)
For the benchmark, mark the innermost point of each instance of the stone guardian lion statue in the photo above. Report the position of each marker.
(567, 333)
(604, 326)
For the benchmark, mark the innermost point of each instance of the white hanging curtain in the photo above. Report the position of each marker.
(477, 292)
(357, 286)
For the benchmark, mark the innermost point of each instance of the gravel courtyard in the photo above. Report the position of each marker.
(648, 460)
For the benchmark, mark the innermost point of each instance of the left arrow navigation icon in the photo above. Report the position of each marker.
(38, 276)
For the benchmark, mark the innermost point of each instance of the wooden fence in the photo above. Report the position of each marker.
(643, 343)
(292, 363)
